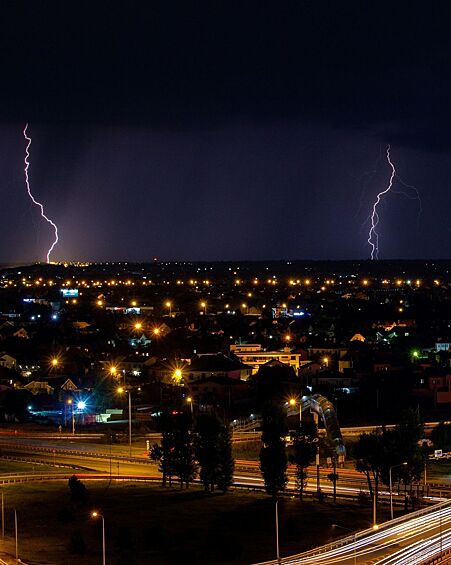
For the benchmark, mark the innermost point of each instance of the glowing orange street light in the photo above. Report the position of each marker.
(292, 402)
(96, 514)
(113, 370)
(177, 375)
(156, 331)
(190, 402)
(169, 307)
(138, 326)
(204, 306)
(121, 390)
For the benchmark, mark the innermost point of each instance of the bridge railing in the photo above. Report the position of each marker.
(352, 538)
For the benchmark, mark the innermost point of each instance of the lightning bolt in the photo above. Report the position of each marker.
(373, 236)
(27, 182)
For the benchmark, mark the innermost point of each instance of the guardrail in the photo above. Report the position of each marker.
(358, 535)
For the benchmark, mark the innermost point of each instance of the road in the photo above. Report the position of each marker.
(114, 460)
(395, 542)
(410, 540)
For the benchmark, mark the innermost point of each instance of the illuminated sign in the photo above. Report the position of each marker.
(69, 292)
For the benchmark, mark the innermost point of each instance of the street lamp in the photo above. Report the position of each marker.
(277, 531)
(177, 375)
(98, 515)
(113, 370)
(169, 306)
(391, 493)
(121, 390)
(138, 326)
(354, 534)
(71, 404)
(204, 306)
(16, 535)
(292, 402)
(190, 402)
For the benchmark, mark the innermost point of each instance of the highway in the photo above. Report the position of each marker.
(97, 457)
(114, 459)
(400, 541)
(410, 540)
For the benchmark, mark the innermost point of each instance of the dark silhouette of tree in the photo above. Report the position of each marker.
(183, 461)
(208, 429)
(403, 445)
(164, 453)
(78, 490)
(273, 457)
(330, 448)
(441, 437)
(303, 453)
(368, 452)
(213, 448)
(226, 462)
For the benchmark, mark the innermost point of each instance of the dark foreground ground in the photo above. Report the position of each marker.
(148, 524)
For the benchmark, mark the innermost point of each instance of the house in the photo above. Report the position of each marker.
(7, 361)
(210, 365)
(255, 356)
(39, 387)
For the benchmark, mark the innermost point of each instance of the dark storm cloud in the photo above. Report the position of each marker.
(194, 64)
(224, 130)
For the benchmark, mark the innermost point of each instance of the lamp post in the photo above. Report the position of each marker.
(204, 306)
(354, 535)
(292, 402)
(277, 531)
(120, 390)
(390, 481)
(15, 532)
(98, 515)
(190, 402)
(169, 307)
(3, 515)
(71, 404)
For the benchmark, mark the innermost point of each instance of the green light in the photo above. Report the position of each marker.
(415, 354)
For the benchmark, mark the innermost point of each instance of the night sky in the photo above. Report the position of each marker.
(225, 130)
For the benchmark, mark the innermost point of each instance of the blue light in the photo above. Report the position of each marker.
(81, 405)
(54, 317)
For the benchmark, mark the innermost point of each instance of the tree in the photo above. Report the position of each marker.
(331, 449)
(77, 489)
(183, 462)
(403, 445)
(207, 429)
(273, 457)
(441, 437)
(226, 462)
(368, 452)
(164, 452)
(213, 448)
(303, 453)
